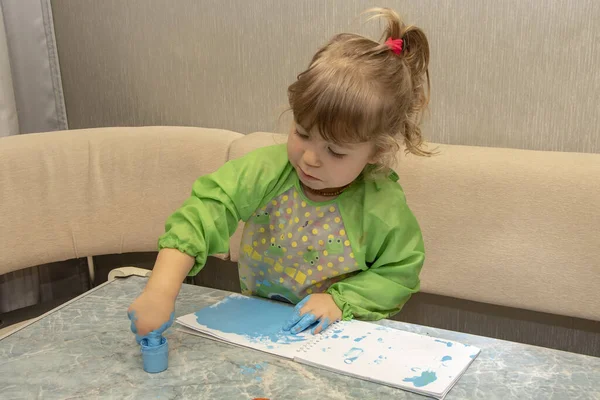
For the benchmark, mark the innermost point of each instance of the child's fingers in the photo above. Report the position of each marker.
(323, 324)
(131, 315)
(132, 318)
(296, 316)
(306, 321)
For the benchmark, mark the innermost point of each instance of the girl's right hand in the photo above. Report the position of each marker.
(150, 311)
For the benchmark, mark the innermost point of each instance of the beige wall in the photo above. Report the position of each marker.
(510, 73)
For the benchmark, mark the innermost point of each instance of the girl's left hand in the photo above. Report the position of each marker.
(315, 307)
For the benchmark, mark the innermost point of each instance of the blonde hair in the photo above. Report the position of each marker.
(359, 90)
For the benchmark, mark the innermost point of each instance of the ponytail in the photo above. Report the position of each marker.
(414, 55)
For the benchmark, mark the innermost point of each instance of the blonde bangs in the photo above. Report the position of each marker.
(334, 100)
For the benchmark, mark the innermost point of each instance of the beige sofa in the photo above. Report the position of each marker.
(507, 227)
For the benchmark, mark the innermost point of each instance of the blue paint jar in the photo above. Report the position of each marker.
(155, 354)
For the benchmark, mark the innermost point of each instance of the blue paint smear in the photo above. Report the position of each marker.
(380, 340)
(352, 355)
(335, 336)
(424, 379)
(472, 356)
(448, 344)
(247, 370)
(253, 370)
(446, 358)
(345, 337)
(258, 320)
(359, 339)
(380, 359)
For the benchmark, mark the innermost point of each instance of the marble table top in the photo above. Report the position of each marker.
(86, 350)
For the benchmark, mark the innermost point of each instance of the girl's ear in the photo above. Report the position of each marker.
(375, 155)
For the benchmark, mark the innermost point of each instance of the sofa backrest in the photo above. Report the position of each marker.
(510, 227)
(82, 193)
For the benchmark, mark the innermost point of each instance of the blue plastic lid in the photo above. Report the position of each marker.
(155, 354)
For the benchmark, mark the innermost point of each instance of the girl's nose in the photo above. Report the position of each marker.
(311, 158)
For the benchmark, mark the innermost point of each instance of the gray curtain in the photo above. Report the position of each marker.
(31, 100)
(9, 122)
(38, 94)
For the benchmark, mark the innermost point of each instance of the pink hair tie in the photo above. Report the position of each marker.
(395, 45)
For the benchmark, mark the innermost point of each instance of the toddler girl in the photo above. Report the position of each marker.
(327, 225)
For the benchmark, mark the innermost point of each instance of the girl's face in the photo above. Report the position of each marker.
(324, 165)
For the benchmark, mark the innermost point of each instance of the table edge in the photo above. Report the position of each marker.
(34, 320)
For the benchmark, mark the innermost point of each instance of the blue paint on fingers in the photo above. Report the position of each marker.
(323, 324)
(154, 346)
(296, 316)
(306, 321)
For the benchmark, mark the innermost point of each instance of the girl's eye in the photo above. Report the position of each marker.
(301, 135)
(338, 155)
